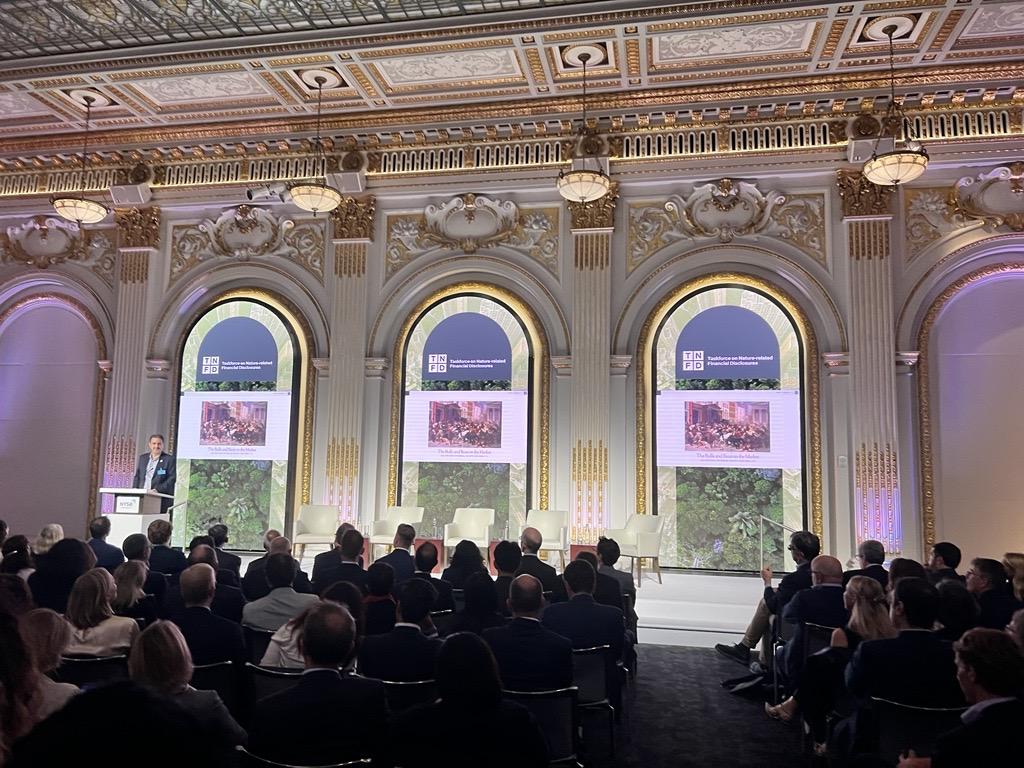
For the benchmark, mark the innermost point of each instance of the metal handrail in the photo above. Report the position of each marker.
(777, 524)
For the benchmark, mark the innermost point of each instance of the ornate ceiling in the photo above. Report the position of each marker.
(203, 71)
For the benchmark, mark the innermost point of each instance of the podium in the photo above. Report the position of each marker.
(134, 510)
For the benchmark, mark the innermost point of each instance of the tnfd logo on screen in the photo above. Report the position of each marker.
(437, 363)
(693, 361)
(211, 364)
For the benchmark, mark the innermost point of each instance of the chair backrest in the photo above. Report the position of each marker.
(479, 518)
(264, 681)
(404, 695)
(901, 727)
(246, 759)
(410, 515)
(86, 671)
(256, 642)
(219, 677)
(817, 637)
(549, 522)
(459, 598)
(645, 523)
(589, 674)
(555, 713)
(443, 621)
(317, 519)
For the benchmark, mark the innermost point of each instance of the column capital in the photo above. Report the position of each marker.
(861, 198)
(354, 219)
(157, 368)
(619, 364)
(322, 365)
(836, 363)
(138, 227)
(598, 215)
(375, 367)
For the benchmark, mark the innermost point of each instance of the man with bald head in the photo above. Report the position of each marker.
(531, 563)
(228, 600)
(254, 584)
(211, 638)
(530, 657)
(821, 604)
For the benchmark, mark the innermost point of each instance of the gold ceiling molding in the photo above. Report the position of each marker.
(138, 227)
(354, 218)
(860, 197)
(599, 214)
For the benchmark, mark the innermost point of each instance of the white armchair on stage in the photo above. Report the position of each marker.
(639, 539)
(383, 531)
(316, 524)
(553, 525)
(473, 523)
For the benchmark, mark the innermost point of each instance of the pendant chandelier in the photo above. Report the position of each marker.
(584, 182)
(75, 206)
(314, 194)
(908, 159)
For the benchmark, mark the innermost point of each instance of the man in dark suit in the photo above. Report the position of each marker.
(946, 557)
(530, 657)
(821, 604)
(228, 601)
(986, 580)
(227, 560)
(606, 588)
(803, 547)
(340, 563)
(211, 638)
(507, 557)
(301, 724)
(161, 557)
(254, 583)
(915, 667)
(156, 471)
(136, 547)
(107, 555)
(426, 561)
(870, 556)
(400, 558)
(404, 653)
(531, 564)
(224, 576)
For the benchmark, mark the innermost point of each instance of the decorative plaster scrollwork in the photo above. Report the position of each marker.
(995, 197)
(599, 214)
(354, 218)
(470, 222)
(46, 241)
(929, 217)
(860, 197)
(245, 233)
(138, 227)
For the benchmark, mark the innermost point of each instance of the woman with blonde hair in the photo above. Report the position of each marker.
(50, 535)
(129, 598)
(95, 630)
(1013, 562)
(47, 634)
(161, 661)
(869, 614)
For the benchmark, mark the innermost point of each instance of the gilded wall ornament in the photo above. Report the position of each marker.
(354, 218)
(860, 197)
(929, 217)
(599, 214)
(138, 227)
(995, 197)
(472, 222)
(46, 241)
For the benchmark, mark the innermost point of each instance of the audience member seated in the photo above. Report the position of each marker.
(530, 657)
(340, 563)
(945, 558)
(4, 531)
(531, 564)
(870, 557)
(282, 602)
(915, 667)
(48, 635)
(348, 595)
(379, 604)
(1013, 564)
(481, 609)
(162, 558)
(507, 557)
(990, 670)
(581, 619)
(210, 638)
(130, 598)
(820, 684)
(958, 610)
(608, 553)
(107, 555)
(228, 601)
(822, 604)
(405, 653)
(301, 725)
(228, 561)
(55, 574)
(470, 713)
(19, 685)
(15, 597)
(1015, 628)
(803, 547)
(607, 589)
(400, 557)
(225, 576)
(254, 584)
(426, 562)
(161, 661)
(466, 561)
(904, 568)
(17, 557)
(986, 580)
(95, 630)
(50, 534)
(136, 547)
(283, 650)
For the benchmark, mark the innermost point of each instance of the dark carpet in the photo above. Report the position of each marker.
(679, 715)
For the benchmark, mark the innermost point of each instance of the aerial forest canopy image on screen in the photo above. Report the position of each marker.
(728, 427)
(465, 413)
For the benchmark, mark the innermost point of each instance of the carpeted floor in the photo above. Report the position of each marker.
(679, 715)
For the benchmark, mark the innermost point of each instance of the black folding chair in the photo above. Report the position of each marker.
(782, 632)
(590, 670)
(402, 695)
(220, 677)
(900, 727)
(91, 671)
(817, 637)
(443, 621)
(246, 759)
(459, 598)
(556, 714)
(266, 681)
(256, 643)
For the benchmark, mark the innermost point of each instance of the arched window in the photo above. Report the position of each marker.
(726, 419)
(467, 436)
(237, 422)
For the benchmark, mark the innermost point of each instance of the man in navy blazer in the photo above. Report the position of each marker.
(325, 717)
(821, 604)
(425, 561)
(870, 557)
(986, 580)
(228, 601)
(341, 563)
(530, 657)
(162, 558)
(400, 558)
(530, 543)
(228, 561)
(254, 583)
(107, 555)
(210, 638)
(156, 471)
(404, 653)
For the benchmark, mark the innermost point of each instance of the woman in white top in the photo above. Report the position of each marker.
(95, 630)
(47, 634)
